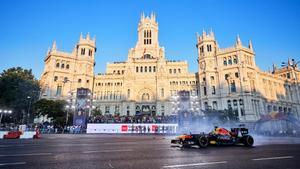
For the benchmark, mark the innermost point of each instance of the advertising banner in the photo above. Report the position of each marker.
(81, 108)
(132, 128)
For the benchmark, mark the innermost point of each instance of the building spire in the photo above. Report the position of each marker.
(211, 33)
(142, 16)
(238, 41)
(88, 36)
(250, 45)
(53, 46)
(203, 33)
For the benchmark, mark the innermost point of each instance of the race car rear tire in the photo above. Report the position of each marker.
(203, 141)
(248, 141)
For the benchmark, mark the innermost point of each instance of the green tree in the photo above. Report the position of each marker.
(54, 109)
(18, 90)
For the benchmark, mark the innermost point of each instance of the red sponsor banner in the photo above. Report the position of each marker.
(154, 127)
(124, 128)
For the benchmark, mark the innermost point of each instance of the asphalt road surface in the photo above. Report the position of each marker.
(143, 152)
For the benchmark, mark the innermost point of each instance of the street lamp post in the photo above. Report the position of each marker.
(28, 115)
(4, 112)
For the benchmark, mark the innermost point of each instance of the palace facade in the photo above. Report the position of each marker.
(148, 83)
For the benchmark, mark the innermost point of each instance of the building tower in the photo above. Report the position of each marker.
(147, 45)
(208, 77)
(65, 72)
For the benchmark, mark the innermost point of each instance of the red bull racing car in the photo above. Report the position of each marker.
(220, 136)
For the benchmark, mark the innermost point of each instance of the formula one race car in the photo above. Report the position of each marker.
(220, 136)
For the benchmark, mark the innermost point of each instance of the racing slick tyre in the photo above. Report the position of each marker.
(203, 141)
(248, 141)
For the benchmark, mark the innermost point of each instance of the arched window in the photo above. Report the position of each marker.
(145, 68)
(141, 69)
(68, 66)
(55, 78)
(79, 80)
(137, 69)
(235, 60)
(230, 60)
(224, 61)
(232, 87)
(62, 65)
(57, 65)
(145, 96)
(128, 93)
(229, 104)
(147, 56)
(150, 68)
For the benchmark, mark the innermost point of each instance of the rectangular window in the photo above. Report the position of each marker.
(90, 52)
(205, 105)
(106, 109)
(145, 68)
(213, 90)
(58, 91)
(204, 91)
(233, 87)
(82, 51)
(215, 105)
(209, 48)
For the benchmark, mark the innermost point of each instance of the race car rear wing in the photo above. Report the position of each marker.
(242, 130)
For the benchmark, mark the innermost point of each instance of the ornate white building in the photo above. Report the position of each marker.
(148, 83)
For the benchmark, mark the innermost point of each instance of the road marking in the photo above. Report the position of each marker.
(272, 158)
(107, 151)
(109, 164)
(165, 149)
(16, 163)
(121, 143)
(195, 164)
(19, 145)
(32, 154)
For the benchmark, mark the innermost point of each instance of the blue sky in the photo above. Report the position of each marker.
(29, 27)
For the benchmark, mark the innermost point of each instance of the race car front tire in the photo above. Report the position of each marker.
(203, 141)
(248, 141)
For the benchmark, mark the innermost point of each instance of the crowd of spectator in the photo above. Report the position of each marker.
(133, 119)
